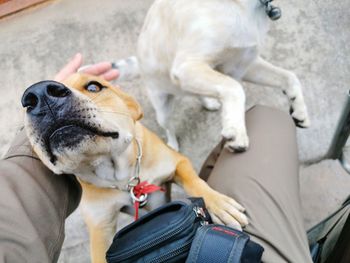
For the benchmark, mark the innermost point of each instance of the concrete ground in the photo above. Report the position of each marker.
(312, 39)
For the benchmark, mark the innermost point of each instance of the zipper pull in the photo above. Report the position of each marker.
(200, 213)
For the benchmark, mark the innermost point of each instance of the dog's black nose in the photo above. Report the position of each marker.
(44, 93)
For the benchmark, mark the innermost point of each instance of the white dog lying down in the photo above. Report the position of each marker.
(206, 48)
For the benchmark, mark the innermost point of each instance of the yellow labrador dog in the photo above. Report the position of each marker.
(90, 128)
(206, 48)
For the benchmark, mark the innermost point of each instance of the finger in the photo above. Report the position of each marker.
(83, 68)
(98, 69)
(111, 75)
(70, 68)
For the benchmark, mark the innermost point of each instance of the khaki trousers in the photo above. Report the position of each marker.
(265, 180)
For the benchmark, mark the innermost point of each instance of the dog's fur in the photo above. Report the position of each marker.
(104, 164)
(206, 48)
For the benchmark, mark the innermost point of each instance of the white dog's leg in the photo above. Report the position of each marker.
(199, 78)
(163, 105)
(264, 73)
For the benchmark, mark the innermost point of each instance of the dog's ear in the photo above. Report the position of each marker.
(133, 106)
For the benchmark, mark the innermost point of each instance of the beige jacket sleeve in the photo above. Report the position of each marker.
(34, 204)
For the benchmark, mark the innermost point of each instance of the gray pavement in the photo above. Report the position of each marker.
(312, 39)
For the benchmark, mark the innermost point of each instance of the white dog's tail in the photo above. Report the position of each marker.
(128, 68)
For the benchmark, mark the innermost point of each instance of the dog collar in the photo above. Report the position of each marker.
(273, 12)
(135, 180)
(138, 190)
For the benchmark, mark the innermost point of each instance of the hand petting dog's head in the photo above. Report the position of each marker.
(72, 124)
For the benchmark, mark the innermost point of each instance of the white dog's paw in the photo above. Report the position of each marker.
(236, 140)
(225, 210)
(210, 104)
(300, 115)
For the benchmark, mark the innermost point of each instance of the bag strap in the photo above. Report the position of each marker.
(237, 250)
(335, 228)
(341, 252)
(209, 247)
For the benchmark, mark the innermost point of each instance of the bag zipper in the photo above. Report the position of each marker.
(167, 235)
(174, 253)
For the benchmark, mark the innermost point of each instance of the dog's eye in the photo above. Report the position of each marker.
(94, 86)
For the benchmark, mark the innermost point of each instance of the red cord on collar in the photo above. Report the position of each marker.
(142, 189)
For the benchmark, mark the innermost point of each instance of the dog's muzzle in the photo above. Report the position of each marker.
(59, 119)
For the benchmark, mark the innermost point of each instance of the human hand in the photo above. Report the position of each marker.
(102, 69)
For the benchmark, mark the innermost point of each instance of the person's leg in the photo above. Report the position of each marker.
(265, 181)
(34, 204)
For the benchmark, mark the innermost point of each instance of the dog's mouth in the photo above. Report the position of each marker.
(67, 135)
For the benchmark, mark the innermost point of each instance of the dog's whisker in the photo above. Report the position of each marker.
(17, 126)
(115, 112)
(94, 98)
(98, 100)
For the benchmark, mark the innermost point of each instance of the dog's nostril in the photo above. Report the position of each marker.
(58, 91)
(30, 101)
